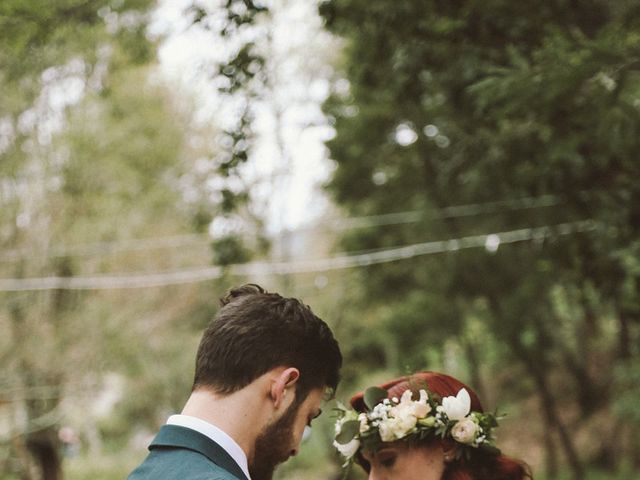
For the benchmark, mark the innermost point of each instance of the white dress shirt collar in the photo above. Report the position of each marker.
(215, 434)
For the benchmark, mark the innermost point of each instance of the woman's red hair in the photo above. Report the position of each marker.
(481, 466)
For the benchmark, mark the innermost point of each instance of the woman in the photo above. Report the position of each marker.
(428, 426)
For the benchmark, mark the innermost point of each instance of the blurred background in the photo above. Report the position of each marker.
(451, 185)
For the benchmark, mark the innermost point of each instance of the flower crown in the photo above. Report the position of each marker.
(389, 420)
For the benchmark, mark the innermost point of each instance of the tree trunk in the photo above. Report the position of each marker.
(536, 365)
(550, 410)
(590, 397)
(43, 445)
(624, 335)
(551, 456)
(474, 369)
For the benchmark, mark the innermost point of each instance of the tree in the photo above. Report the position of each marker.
(526, 114)
(91, 153)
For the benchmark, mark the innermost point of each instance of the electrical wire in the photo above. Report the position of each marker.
(255, 269)
(330, 224)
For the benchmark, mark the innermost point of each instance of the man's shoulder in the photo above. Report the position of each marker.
(180, 453)
(179, 464)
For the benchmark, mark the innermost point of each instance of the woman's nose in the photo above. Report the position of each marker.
(374, 475)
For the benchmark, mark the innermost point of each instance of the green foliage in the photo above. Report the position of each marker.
(455, 103)
(36, 35)
(627, 382)
(373, 396)
(105, 167)
(229, 250)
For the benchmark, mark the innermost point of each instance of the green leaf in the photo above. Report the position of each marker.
(492, 421)
(373, 396)
(348, 431)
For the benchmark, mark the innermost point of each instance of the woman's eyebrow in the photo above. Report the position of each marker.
(384, 451)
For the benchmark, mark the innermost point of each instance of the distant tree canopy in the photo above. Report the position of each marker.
(91, 152)
(529, 114)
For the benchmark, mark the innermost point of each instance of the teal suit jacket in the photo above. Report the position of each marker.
(179, 453)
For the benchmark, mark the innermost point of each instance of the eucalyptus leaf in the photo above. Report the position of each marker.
(373, 396)
(348, 431)
(492, 421)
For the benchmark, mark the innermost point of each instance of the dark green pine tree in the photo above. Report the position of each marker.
(529, 112)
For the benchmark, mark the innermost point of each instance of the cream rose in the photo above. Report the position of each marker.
(400, 422)
(386, 432)
(465, 431)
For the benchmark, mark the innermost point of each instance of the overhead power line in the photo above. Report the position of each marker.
(97, 248)
(49, 419)
(454, 211)
(256, 269)
(335, 224)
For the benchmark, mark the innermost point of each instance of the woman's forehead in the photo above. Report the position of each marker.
(390, 448)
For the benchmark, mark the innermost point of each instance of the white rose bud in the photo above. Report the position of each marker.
(465, 431)
(457, 407)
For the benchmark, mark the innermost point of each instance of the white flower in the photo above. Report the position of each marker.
(347, 450)
(421, 408)
(401, 420)
(458, 407)
(464, 431)
(479, 440)
(418, 409)
(405, 421)
(364, 423)
(395, 428)
(386, 432)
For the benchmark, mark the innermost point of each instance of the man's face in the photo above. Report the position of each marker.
(281, 439)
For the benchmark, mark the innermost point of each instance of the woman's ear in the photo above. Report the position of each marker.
(283, 383)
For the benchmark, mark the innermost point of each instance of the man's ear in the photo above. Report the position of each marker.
(283, 383)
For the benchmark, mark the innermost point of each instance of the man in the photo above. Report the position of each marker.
(263, 367)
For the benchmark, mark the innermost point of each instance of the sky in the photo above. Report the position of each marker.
(286, 177)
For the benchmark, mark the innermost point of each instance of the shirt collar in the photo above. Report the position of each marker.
(215, 434)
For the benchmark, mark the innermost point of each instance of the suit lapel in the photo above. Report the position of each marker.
(176, 436)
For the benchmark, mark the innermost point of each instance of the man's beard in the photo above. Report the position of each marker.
(273, 445)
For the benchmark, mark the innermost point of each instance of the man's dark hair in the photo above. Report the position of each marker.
(255, 331)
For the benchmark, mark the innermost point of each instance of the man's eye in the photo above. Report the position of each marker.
(317, 414)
